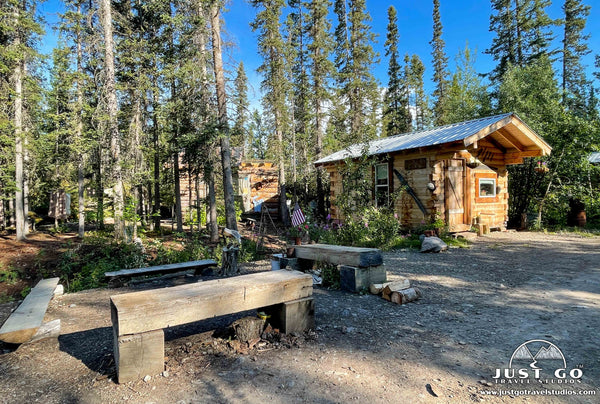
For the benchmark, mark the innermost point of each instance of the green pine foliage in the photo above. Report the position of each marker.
(468, 96)
(396, 114)
(574, 80)
(440, 70)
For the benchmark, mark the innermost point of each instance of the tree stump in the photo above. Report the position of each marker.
(248, 328)
(229, 264)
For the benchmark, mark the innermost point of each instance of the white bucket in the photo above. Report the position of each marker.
(276, 262)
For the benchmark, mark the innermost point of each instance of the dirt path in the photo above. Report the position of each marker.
(479, 305)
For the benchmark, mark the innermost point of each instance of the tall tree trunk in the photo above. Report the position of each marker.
(99, 190)
(2, 212)
(26, 218)
(11, 218)
(224, 126)
(283, 211)
(198, 211)
(18, 123)
(177, 179)
(156, 141)
(113, 126)
(212, 225)
(79, 137)
(135, 129)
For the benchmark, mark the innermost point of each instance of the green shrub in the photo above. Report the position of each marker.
(330, 275)
(83, 267)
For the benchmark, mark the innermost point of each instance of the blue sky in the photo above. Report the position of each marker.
(463, 21)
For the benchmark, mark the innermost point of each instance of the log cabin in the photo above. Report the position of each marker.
(456, 172)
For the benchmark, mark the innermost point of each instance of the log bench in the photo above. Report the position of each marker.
(359, 267)
(26, 320)
(116, 277)
(139, 318)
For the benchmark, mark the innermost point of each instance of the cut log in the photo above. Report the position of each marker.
(404, 296)
(376, 288)
(340, 255)
(24, 322)
(395, 286)
(51, 329)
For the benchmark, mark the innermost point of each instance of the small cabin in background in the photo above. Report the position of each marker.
(256, 185)
(455, 172)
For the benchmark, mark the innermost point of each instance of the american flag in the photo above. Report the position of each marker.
(298, 217)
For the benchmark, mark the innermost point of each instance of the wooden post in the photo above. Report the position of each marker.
(230, 261)
(355, 279)
(138, 355)
(295, 316)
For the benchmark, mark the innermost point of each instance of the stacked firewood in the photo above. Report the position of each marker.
(399, 292)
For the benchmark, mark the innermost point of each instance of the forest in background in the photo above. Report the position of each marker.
(136, 92)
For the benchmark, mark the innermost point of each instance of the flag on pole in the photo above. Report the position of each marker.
(298, 217)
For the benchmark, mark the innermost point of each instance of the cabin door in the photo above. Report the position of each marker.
(455, 196)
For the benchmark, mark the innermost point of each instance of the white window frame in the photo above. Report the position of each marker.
(487, 181)
(387, 186)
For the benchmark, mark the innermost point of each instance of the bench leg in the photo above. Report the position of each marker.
(356, 279)
(295, 316)
(138, 355)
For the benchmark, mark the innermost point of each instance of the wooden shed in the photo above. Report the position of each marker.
(258, 184)
(455, 172)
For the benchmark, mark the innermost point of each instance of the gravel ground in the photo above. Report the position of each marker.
(479, 304)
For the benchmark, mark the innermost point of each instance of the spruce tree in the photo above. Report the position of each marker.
(574, 81)
(320, 49)
(354, 56)
(523, 33)
(240, 110)
(468, 97)
(416, 70)
(298, 96)
(272, 49)
(396, 114)
(440, 69)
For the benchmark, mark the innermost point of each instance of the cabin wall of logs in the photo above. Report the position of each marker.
(446, 181)
(256, 184)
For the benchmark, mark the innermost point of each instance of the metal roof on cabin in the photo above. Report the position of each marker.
(431, 137)
(595, 158)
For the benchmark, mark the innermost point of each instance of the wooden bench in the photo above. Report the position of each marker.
(138, 318)
(115, 277)
(26, 320)
(359, 267)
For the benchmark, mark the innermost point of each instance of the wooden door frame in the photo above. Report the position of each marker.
(466, 192)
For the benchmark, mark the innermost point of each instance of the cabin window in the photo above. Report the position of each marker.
(382, 185)
(487, 187)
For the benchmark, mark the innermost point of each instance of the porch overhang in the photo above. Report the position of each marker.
(511, 138)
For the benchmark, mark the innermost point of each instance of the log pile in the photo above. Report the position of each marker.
(399, 292)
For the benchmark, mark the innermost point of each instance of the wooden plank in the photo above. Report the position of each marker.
(148, 310)
(181, 266)
(139, 355)
(24, 322)
(340, 255)
(51, 329)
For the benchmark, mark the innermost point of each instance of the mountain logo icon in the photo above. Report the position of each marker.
(544, 351)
